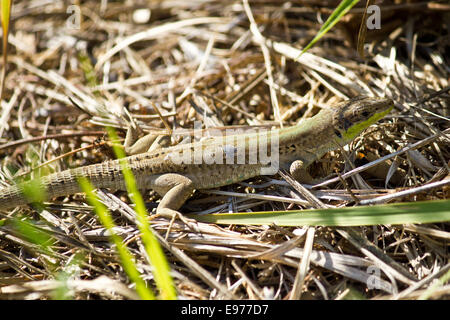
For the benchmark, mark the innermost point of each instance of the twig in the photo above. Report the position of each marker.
(413, 146)
(57, 136)
(313, 200)
(404, 193)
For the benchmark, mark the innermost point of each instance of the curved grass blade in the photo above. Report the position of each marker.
(125, 255)
(154, 251)
(337, 14)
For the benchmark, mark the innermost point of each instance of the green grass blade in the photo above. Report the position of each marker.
(33, 191)
(154, 251)
(44, 240)
(33, 234)
(88, 69)
(71, 270)
(125, 255)
(337, 14)
(5, 12)
(396, 213)
(439, 283)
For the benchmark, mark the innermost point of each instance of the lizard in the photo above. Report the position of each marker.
(176, 178)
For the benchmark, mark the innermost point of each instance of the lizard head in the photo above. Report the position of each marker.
(353, 116)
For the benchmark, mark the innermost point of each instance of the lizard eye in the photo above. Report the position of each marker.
(365, 114)
(336, 132)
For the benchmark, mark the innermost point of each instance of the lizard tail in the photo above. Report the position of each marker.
(51, 186)
(11, 197)
(104, 175)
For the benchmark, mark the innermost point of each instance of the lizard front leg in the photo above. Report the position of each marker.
(299, 172)
(147, 143)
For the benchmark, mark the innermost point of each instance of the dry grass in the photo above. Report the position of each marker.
(200, 60)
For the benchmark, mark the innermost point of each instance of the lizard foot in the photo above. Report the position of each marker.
(172, 215)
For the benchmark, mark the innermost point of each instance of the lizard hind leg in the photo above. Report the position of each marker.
(176, 189)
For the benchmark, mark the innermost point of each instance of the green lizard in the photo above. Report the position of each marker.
(175, 172)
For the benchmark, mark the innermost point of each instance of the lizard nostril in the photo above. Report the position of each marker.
(336, 132)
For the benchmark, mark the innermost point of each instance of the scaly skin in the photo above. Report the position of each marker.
(298, 147)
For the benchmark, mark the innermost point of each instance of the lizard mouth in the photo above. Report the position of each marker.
(361, 114)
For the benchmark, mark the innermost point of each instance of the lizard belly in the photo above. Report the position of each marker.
(217, 175)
